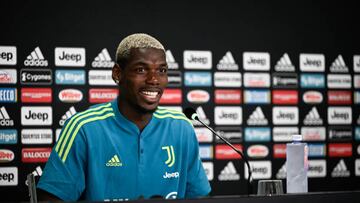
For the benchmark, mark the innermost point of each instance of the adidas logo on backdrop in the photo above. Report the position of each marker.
(37, 172)
(36, 58)
(5, 118)
(284, 64)
(103, 60)
(227, 62)
(114, 161)
(229, 173)
(171, 60)
(313, 117)
(67, 115)
(281, 174)
(257, 117)
(339, 65)
(340, 170)
(202, 116)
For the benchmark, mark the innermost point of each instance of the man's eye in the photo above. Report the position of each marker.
(163, 70)
(140, 70)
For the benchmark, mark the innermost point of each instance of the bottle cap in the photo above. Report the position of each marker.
(297, 138)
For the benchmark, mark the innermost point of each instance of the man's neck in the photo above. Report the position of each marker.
(130, 112)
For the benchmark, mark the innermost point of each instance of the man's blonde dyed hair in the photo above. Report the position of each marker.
(137, 40)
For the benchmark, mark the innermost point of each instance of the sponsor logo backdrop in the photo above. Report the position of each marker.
(256, 94)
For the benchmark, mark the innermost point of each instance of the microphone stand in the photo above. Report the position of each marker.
(249, 180)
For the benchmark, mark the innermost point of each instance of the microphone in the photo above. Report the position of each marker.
(191, 114)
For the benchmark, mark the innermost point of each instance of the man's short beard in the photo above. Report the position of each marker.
(142, 110)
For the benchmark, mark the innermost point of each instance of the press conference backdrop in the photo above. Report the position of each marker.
(256, 71)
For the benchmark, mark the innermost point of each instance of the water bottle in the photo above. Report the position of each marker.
(296, 166)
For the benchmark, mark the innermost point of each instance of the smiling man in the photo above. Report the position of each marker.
(128, 148)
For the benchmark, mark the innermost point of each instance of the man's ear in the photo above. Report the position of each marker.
(117, 73)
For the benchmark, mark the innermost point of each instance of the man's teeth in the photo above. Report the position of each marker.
(150, 93)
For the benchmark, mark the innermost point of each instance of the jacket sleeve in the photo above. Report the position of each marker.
(64, 173)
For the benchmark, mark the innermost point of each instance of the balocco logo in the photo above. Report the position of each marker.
(102, 95)
(340, 150)
(285, 97)
(70, 95)
(228, 96)
(198, 96)
(35, 154)
(339, 97)
(8, 95)
(279, 151)
(223, 151)
(171, 96)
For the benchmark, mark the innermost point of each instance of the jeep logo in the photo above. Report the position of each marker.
(7, 56)
(224, 115)
(337, 115)
(282, 115)
(197, 59)
(8, 176)
(194, 59)
(36, 115)
(70, 57)
(256, 61)
(309, 62)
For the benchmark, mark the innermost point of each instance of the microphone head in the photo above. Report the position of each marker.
(190, 113)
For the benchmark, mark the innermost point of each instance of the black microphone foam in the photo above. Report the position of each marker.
(189, 112)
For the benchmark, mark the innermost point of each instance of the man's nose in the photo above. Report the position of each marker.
(152, 78)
